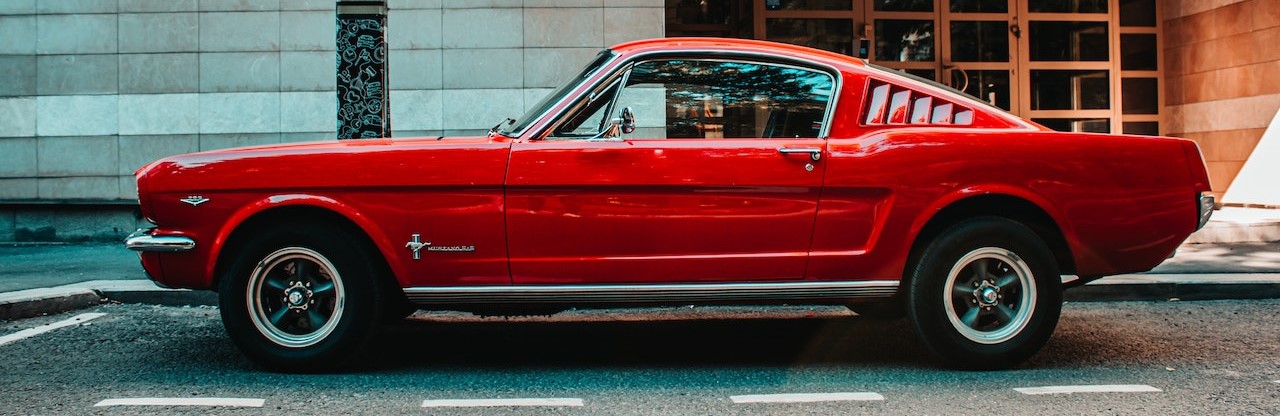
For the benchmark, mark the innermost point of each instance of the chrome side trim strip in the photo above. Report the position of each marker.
(658, 293)
(142, 240)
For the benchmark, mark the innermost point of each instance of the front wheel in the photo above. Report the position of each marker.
(300, 299)
(985, 294)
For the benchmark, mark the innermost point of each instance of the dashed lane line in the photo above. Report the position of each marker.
(805, 397)
(183, 401)
(555, 402)
(1099, 388)
(28, 333)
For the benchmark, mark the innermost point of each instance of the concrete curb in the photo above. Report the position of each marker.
(1139, 287)
(46, 301)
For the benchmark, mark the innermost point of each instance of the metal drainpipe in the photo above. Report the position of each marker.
(364, 110)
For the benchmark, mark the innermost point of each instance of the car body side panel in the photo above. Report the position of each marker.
(668, 211)
(449, 192)
(1122, 203)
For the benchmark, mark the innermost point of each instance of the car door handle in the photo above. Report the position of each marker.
(814, 153)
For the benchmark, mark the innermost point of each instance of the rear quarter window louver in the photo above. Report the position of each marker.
(892, 104)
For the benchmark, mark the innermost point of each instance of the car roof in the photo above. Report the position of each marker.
(839, 61)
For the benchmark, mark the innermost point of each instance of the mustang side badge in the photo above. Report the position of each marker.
(416, 244)
(195, 200)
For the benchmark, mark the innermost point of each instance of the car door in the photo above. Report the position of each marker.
(716, 180)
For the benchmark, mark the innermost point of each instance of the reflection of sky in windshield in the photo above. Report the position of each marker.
(738, 82)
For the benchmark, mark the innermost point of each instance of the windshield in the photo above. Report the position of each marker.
(551, 99)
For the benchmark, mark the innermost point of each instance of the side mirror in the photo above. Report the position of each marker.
(628, 124)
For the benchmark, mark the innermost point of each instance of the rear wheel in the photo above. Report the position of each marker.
(986, 294)
(300, 299)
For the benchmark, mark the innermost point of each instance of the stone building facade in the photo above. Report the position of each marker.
(95, 89)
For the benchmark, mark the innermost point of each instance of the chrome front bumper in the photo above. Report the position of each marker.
(142, 240)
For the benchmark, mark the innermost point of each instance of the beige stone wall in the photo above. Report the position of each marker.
(1222, 63)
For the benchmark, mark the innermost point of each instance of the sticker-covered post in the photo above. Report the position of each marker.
(363, 106)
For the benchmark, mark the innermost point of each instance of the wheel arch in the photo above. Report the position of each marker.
(299, 208)
(1018, 208)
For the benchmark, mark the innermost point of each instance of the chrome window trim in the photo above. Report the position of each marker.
(652, 293)
(567, 97)
(543, 130)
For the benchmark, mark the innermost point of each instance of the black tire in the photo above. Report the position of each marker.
(300, 298)
(985, 294)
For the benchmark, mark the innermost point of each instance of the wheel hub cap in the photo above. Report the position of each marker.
(297, 296)
(987, 295)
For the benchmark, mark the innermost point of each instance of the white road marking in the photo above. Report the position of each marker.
(182, 401)
(28, 333)
(502, 402)
(1102, 388)
(805, 397)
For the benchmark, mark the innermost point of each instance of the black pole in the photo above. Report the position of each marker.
(364, 110)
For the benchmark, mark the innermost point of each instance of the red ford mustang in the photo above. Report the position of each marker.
(679, 171)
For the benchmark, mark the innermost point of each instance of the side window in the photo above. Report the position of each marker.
(725, 99)
(706, 99)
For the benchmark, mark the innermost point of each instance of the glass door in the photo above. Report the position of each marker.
(977, 56)
(1069, 81)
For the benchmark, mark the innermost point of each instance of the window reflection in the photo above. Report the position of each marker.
(1081, 125)
(808, 4)
(904, 5)
(990, 86)
(1067, 6)
(980, 6)
(1069, 41)
(835, 35)
(703, 99)
(1070, 90)
(904, 40)
(979, 42)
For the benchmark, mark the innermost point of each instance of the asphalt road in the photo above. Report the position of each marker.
(1213, 357)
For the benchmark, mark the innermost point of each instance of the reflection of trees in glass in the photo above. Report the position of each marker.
(750, 100)
(904, 40)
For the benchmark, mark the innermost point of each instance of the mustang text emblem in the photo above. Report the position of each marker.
(195, 200)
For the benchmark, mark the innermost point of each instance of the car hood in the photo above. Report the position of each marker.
(328, 164)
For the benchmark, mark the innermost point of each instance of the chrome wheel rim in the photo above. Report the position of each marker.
(990, 295)
(295, 297)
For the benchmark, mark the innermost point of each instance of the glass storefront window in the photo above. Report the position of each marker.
(834, 35)
(1138, 13)
(1083, 125)
(1145, 128)
(990, 86)
(904, 5)
(1070, 90)
(979, 41)
(1067, 6)
(1139, 96)
(1069, 41)
(980, 6)
(904, 40)
(808, 4)
(1138, 52)
(928, 74)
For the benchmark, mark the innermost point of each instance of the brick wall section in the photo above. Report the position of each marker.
(1222, 60)
(93, 90)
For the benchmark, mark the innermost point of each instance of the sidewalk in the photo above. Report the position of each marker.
(38, 279)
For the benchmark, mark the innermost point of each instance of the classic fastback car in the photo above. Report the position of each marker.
(679, 171)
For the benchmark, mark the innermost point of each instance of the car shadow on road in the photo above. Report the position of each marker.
(845, 341)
